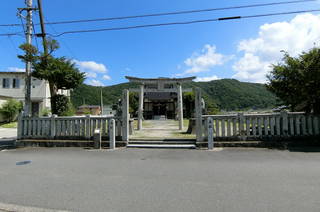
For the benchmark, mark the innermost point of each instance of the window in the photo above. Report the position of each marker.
(16, 83)
(5, 83)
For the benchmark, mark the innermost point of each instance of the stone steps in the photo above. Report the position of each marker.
(7, 143)
(163, 146)
(162, 143)
(253, 144)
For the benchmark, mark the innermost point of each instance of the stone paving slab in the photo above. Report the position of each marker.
(161, 129)
(8, 133)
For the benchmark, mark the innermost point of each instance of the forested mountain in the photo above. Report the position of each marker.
(227, 94)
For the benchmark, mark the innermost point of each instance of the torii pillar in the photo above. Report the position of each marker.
(140, 109)
(180, 107)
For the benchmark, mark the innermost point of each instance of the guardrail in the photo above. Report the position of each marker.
(243, 126)
(76, 127)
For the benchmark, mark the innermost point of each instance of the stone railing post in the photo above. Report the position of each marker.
(284, 117)
(97, 139)
(241, 126)
(112, 134)
(87, 126)
(53, 126)
(210, 133)
(20, 126)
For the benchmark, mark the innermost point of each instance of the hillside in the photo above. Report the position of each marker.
(227, 94)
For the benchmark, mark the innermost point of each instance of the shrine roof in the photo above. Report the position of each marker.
(160, 79)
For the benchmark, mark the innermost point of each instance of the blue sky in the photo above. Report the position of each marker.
(240, 49)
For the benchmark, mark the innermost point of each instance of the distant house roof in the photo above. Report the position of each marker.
(11, 72)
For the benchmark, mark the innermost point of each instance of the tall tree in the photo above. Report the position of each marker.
(296, 81)
(60, 72)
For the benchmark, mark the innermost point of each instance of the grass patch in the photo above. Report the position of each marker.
(185, 122)
(9, 125)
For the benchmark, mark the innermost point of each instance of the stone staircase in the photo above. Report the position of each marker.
(162, 144)
(191, 144)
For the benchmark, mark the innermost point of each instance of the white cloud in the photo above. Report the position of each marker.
(15, 69)
(106, 77)
(206, 60)
(206, 79)
(91, 66)
(298, 35)
(94, 82)
(91, 75)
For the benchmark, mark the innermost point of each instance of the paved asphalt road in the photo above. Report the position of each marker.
(7, 137)
(248, 180)
(8, 132)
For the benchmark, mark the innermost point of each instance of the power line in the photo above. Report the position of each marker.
(65, 43)
(168, 13)
(183, 23)
(11, 34)
(180, 12)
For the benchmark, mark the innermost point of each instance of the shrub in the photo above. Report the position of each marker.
(45, 112)
(59, 104)
(11, 109)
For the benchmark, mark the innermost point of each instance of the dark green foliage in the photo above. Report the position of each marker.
(59, 71)
(188, 101)
(296, 81)
(10, 109)
(133, 103)
(226, 94)
(59, 105)
(230, 94)
(90, 95)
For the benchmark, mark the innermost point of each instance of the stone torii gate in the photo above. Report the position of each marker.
(160, 89)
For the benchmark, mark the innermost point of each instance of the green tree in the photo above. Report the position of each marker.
(188, 101)
(60, 72)
(10, 109)
(296, 81)
(133, 103)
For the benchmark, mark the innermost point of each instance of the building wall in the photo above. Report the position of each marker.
(38, 87)
(40, 91)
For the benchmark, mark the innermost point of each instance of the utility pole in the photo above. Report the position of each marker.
(43, 30)
(27, 106)
(101, 101)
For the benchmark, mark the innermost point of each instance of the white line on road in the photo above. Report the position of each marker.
(18, 208)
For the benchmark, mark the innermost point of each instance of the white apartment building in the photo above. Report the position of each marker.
(12, 86)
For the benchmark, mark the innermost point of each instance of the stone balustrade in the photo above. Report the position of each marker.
(78, 127)
(249, 126)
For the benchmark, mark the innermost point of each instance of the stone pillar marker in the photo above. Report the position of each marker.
(97, 139)
(180, 107)
(140, 109)
(112, 134)
(125, 115)
(198, 114)
(210, 133)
